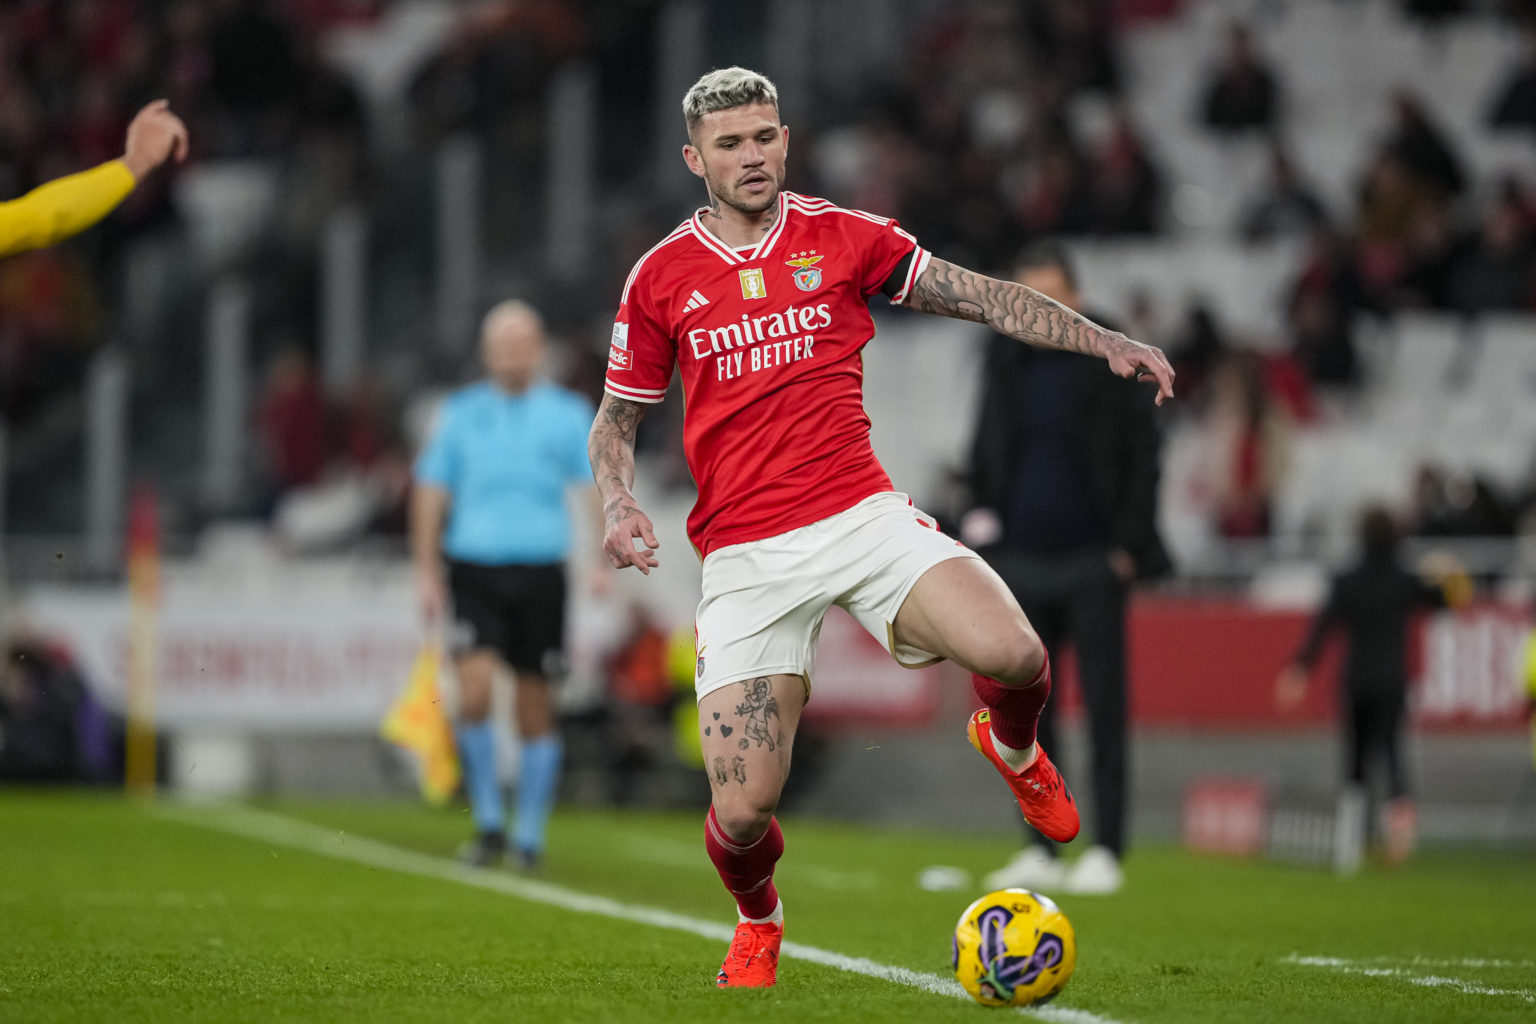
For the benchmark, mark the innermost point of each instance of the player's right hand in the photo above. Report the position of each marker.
(155, 135)
(626, 525)
(432, 598)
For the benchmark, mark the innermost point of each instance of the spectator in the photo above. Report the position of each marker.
(1072, 38)
(1287, 208)
(1055, 197)
(1457, 504)
(291, 423)
(1322, 338)
(1515, 105)
(1423, 148)
(50, 728)
(1498, 271)
(1242, 93)
(1249, 440)
(1393, 201)
(1126, 184)
(1430, 255)
(1198, 347)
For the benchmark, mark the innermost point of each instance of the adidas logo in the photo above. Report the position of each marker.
(696, 301)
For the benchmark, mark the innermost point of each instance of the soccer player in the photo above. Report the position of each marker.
(67, 206)
(496, 470)
(759, 300)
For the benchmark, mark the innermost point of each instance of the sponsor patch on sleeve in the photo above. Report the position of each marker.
(618, 359)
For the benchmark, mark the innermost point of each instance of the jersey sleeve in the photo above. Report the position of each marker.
(51, 213)
(438, 464)
(641, 356)
(886, 247)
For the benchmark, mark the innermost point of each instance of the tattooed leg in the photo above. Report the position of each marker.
(747, 730)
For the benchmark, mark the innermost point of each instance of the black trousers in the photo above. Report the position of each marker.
(1075, 598)
(1373, 735)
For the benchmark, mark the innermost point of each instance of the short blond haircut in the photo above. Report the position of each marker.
(723, 89)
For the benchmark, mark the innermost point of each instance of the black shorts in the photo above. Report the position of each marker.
(518, 611)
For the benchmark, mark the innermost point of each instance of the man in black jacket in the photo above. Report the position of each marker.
(1372, 604)
(1064, 473)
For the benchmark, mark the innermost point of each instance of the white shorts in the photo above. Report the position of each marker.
(763, 600)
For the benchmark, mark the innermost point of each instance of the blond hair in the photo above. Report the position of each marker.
(723, 89)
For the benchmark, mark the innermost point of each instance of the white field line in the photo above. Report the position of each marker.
(1430, 961)
(264, 827)
(1471, 988)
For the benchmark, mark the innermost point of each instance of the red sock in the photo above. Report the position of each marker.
(746, 870)
(1015, 709)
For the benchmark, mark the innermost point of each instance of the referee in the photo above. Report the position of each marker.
(495, 474)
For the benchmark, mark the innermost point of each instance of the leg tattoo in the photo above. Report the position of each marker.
(759, 706)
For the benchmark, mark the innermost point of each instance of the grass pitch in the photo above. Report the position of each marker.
(111, 911)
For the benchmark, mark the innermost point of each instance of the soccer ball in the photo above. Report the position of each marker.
(1014, 948)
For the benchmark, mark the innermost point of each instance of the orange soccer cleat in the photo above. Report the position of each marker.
(1043, 797)
(753, 959)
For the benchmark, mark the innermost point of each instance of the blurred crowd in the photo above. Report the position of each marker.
(1001, 123)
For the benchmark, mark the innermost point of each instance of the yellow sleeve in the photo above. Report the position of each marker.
(63, 207)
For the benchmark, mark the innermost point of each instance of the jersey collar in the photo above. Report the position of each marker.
(757, 252)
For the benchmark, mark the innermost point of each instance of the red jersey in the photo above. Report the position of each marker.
(769, 343)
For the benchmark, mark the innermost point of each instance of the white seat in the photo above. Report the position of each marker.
(1425, 347)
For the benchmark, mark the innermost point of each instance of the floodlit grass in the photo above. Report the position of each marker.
(111, 911)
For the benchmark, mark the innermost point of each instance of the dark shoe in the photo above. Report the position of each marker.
(484, 851)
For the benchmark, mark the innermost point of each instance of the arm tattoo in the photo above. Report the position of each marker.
(759, 706)
(718, 770)
(739, 769)
(1006, 307)
(611, 450)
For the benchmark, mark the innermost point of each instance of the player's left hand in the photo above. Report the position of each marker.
(1290, 687)
(1135, 361)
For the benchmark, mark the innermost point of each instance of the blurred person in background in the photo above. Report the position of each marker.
(292, 424)
(51, 727)
(1242, 93)
(1286, 208)
(495, 473)
(66, 206)
(1248, 435)
(1514, 108)
(1064, 473)
(1372, 604)
(760, 302)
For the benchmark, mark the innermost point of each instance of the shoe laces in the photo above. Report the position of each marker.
(749, 943)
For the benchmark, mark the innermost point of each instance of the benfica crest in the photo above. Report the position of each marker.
(807, 275)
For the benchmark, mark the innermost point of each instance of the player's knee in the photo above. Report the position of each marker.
(474, 690)
(1015, 656)
(744, 817)
(474, 707)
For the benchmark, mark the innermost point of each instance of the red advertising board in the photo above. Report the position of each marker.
(1212, 663)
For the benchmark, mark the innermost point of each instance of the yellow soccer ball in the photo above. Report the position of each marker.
(1014, 948)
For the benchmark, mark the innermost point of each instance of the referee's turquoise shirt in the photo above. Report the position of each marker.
(506, 461)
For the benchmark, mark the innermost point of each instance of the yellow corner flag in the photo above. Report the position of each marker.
(416, 722)
(1530, 689)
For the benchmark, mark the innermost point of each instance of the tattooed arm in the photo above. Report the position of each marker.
(611, 450)
(1025, 314)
